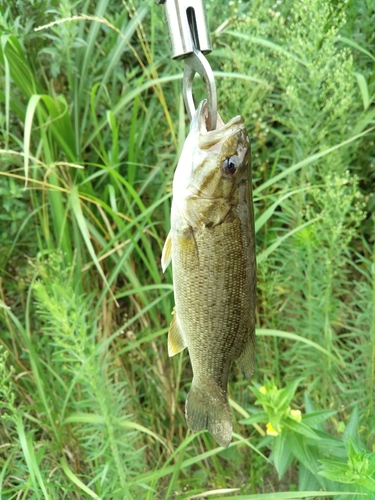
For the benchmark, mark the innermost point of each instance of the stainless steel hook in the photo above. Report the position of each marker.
(190, 38)
(197, 63)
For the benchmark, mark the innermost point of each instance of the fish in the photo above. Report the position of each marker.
(211, 245)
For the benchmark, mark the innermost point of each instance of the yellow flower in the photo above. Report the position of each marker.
(263, 390)
(296, 414)
(271, 431)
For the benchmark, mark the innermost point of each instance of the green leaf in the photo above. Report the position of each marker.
(371, 463)
(25, 444)
(21, 73)
(309, 405)
(31, 460)
(355, 45)
(351, 429)
(60, 124)
(268, 44)
(317, 417)
(306, 480)
(77, 211)
(368, 483)
(300, 428)
(329, 443)
(259, 417)
(287, 393)
(250, 445)
(362, 83)
(302, 452)
(29, 117)
(76, 480)
(281, 454)
(123, 42)
(293, 336)
(337, 475)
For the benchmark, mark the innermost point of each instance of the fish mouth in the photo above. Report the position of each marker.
(210, 138)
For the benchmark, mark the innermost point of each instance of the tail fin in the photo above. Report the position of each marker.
(207, 408)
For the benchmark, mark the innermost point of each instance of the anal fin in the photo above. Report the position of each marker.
(176, 339)
(246, 359)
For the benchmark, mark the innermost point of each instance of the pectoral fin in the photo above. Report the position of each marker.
(176, 340)
(246, 359)
(166, 255)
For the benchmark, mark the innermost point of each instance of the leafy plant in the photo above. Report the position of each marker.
(302, 437)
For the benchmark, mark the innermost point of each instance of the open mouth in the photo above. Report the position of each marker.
(208, 139)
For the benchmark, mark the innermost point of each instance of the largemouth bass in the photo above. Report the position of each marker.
(212, 248)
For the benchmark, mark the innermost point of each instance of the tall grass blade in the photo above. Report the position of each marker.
(77, 211)
(355, 45)
(28, 450)
(29, 118)
(362, 83)
(76, 480)
(266, 43)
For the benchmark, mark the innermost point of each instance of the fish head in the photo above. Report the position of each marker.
(213, 166)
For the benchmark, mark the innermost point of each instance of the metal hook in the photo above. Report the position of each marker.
(190, 39)
(197, 63)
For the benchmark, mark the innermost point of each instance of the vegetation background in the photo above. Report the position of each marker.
(92, 123)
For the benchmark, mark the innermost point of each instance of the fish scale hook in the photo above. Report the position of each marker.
(190, 40)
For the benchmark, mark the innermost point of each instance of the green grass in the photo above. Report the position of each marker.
(91, 127)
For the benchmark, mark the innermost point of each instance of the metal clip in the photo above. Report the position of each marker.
(190, 39)
(187, 26)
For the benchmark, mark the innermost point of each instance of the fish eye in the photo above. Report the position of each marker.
(230, 164)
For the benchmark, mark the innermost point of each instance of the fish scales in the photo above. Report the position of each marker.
(219, 304)
(212, 248)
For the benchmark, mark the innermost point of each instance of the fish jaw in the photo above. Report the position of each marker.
(202, 193)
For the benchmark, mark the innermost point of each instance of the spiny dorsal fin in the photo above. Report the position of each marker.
(176, 340)
(166, 255)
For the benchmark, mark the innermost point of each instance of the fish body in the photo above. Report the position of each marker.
(212, 248)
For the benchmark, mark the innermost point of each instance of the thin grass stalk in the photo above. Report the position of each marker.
(371, 389)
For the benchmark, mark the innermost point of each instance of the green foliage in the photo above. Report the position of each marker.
(88, 410)
(91, 125)
(103, 404)
(303, 438)
(359, 469)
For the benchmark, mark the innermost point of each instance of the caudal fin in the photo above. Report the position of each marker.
(207, 408)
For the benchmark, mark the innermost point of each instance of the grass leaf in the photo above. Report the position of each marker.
(76, 480)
